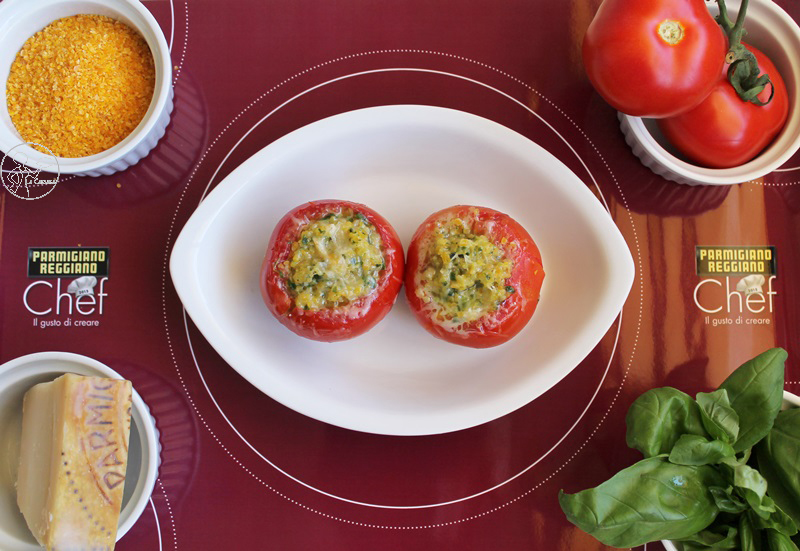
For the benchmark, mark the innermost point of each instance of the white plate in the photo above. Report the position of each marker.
(404, 161)
(19, 375)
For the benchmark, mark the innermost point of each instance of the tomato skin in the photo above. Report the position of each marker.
(724, 131)
(640, 74)
(526, 277)
(342, 322)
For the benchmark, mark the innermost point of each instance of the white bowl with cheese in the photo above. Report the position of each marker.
(16, 378)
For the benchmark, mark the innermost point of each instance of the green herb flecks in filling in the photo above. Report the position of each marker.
(335, 260)
(464, 273)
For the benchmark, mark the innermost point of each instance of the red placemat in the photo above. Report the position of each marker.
(242, 471)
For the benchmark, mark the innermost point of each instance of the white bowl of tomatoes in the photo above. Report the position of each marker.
(692, 149)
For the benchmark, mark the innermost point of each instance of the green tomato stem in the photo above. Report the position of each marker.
(743, 71)
(723, 19)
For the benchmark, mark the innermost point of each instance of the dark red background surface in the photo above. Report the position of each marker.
(302, 484)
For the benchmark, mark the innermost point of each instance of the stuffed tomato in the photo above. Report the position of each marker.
(473, 276)
(332, 271)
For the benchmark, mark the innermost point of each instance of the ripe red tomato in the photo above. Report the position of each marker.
(332, 271)
(473, 276)
(724, 131)
(653, 58)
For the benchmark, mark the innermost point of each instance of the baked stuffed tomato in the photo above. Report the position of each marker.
(333, 270)
(473, 276)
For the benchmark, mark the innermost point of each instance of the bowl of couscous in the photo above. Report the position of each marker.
(88, 83)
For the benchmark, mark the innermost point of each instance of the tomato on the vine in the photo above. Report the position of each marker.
(725, 131)
(654, 58)
(473, 276)
(332, 271)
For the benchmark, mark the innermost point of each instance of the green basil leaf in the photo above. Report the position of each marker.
(777, 520)
(657, 418)
(650, 500)
(780, 542)
(779, 461)
(726, 501)
(691, 449)
(755, 391)
(739, 459)
(753, 487)
(717, 537)
(749, 537)
(688, 546)
(719, 418)
(695, 547)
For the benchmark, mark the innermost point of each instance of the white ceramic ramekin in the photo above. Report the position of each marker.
(774, 32)
(144, 449)
(21, 19)
(789, 401)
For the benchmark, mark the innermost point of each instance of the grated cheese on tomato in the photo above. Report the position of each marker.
(463, 274)
(336, 260)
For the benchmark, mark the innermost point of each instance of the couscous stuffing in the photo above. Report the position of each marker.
(464, 273)
(335, 261)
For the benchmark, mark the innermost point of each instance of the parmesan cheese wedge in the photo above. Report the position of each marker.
(73, 458)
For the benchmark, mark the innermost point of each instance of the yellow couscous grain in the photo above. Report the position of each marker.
(80, 85)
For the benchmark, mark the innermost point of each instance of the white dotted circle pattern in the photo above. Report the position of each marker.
(179, 66)
(171, 516)
(169, 339)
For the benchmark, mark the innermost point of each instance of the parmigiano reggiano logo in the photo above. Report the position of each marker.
(738, 285)
(718, 261)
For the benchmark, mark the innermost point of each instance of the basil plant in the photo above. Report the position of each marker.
(720, 470)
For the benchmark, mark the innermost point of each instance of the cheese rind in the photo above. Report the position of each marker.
(73, 461)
